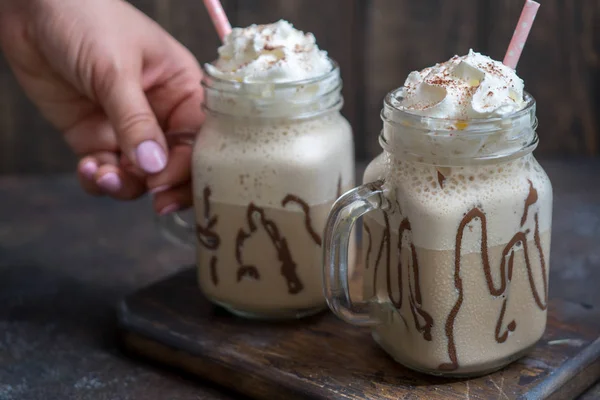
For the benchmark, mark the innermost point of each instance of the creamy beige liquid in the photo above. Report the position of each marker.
(481, 334)
(267, 260)
(467, 278)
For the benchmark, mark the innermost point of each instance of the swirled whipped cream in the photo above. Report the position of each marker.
(464, 87)
(272, 53)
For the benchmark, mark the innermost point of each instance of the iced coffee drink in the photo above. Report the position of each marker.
(456, 251)
(270, 160)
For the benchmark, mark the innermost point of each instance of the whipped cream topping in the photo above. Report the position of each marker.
(272, 53)
(464, 87)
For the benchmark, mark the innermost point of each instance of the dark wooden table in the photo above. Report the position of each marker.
(66, 259)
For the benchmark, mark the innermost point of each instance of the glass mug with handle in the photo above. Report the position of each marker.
(456, 242)
(267, 165)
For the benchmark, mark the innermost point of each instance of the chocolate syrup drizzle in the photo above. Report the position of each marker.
(415, 299)
(209, 239)
(506, 269)
(213, 270)
(532, 198)
(441, 179)
(368, 254)
(206, 236)
(506, 273)
(288, 266)
(385, 242)
(291, 198)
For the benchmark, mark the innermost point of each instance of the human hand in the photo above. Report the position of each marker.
(124, 93)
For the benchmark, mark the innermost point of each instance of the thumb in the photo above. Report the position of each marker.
(138, 133)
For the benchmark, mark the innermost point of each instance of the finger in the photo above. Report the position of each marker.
(177, 172)
(91, 134)
(139, 136)
(177, 102)
(88, 167)
(105, 173)
(128, 166)
(172, 200)
(119, 184)
(176, 96)
(86, 170)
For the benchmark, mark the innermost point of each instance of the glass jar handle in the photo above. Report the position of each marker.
(344, 213)
(176, 229)
(172, 226)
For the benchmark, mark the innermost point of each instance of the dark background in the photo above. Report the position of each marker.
(377, 43)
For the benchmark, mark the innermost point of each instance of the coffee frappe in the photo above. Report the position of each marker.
(270, 160)
(456, 252)
(464, 260)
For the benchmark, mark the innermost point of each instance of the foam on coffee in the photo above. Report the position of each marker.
(435, 196)
(272, 156)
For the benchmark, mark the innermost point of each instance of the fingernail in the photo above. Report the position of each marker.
(109, 182)
(159, 189)
(151, 157)
(169, 209)
(88, 169)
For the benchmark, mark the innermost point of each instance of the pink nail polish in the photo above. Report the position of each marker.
(88, 169)
(159, 189)
(110, 182)
(169, 209)
(151, 157)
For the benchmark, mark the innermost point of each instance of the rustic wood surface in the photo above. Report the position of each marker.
(67, 259)
(377, 43)
(323, 358)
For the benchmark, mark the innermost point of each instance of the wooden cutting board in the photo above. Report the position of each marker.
(323, 358)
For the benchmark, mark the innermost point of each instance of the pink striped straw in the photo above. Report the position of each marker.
(218, 17)
(515, 48)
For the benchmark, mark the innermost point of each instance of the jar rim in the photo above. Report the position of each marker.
(475, 125)
(453, 142)
(300, 99)
(209, 78)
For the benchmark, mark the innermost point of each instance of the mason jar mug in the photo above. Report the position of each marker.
(267, 166)
(456, 241)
